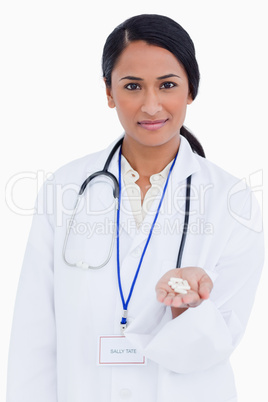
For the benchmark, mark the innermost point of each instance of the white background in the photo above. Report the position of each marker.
(53, 110)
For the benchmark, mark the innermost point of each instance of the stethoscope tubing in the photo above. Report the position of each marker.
(186, 220)
(104, 172)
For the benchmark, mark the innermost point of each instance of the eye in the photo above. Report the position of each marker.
(132, 87)
(167, 85)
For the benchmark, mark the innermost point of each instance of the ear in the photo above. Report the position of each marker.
(109, 95)
(189, 99)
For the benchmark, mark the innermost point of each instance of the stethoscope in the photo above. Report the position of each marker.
(116, 189)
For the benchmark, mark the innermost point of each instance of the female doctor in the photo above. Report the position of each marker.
(96, 318)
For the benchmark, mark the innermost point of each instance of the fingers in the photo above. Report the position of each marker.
(168, 298)
(178, 302)
(192, 299)
(175, 300)
(161, 294)
(205, 287)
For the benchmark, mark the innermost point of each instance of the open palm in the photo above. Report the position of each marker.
(200, 283)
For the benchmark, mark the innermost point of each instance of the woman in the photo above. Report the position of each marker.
(85, 334)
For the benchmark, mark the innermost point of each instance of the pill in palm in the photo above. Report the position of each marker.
(181, 291)
(179, 285)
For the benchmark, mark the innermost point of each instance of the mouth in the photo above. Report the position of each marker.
(152, 124)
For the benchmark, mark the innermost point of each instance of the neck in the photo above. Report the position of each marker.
(149, 160)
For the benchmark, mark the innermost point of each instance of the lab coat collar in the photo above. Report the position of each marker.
(186, 163)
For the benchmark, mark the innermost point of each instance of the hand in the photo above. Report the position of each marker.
(200, 282)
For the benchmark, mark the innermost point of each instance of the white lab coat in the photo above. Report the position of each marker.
(60, 311)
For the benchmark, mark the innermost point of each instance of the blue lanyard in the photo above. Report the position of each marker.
(123, 322)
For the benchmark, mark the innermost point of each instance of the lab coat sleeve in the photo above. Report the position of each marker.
(32, 351)
(206, 335)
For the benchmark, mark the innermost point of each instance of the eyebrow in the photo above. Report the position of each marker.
(168, 76)
(131, 77)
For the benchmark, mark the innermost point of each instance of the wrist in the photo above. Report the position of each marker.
(176, 311)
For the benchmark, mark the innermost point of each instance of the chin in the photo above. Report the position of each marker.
(153, 138)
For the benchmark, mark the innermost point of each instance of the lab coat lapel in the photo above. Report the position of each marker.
(173, 206)
(186, 164)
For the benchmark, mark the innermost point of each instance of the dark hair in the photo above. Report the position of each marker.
(160, 31)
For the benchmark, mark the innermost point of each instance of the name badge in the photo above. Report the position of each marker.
(117, 350)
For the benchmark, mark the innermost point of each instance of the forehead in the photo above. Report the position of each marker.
(140, 58)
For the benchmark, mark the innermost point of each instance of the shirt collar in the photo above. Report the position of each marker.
(131, 176)
(187, 162)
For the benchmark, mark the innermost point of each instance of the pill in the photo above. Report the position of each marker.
(181, 291)
(179, 287)
(187, 286)
(176, 280)
(179, 282)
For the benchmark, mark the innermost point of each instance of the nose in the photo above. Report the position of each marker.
(151, 104)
